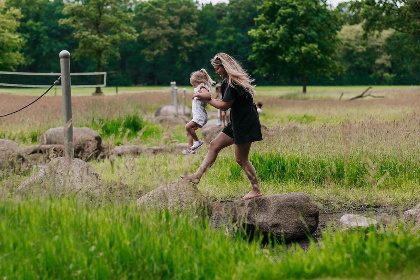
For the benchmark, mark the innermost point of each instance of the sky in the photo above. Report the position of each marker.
(333, 2)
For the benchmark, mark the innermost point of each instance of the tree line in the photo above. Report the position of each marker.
(293, 42)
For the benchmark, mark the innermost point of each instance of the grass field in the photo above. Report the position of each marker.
(345, 154)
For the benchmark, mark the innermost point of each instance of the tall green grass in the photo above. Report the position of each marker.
(353, 170)
(66, 239)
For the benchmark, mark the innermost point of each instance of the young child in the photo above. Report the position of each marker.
(259, 105)
(201, 82)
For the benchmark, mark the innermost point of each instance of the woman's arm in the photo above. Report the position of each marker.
(204, 95)
(220, 104)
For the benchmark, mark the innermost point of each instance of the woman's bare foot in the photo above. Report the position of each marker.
(190, 178)
(252, 194)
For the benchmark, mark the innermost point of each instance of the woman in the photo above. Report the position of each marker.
(244, 126)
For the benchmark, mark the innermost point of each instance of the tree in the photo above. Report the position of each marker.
(168, 34)
(43, 36)
(10, 40)
(403, 16)
(99, 26)
(400, 15)
(232, 36)
(295, 37)
(364, 59)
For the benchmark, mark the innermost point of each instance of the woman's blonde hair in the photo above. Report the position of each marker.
(201, 76)
(236, 74)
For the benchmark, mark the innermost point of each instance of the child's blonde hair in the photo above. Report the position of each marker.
(201, 76)
(236, 75)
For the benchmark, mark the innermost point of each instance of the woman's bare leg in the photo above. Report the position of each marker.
(241, 155)
(220, 142)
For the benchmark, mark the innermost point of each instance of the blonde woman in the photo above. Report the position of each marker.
(244, 126)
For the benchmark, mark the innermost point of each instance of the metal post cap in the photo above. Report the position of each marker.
(64, 54)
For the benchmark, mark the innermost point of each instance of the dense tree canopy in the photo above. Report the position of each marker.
(10, 39)
(158, 41)
(295, 37)
(100, 26)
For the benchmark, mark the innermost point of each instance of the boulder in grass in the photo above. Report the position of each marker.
(178, 196)
(86, 142)
(8, 152)
(210, 130)
(171, 120)
(412, 215)
(169, 111)
(289, 216)
(127, 150)
(38, 154)
(63, 176)
(357, 221)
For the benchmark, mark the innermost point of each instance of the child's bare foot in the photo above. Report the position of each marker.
(252, 194)
(190, 178)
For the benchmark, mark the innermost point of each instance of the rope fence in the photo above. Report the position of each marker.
(26, 106)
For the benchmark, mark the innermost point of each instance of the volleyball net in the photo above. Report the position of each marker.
(41, 80)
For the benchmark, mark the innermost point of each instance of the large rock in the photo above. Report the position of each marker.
(127, 150)
(39, 154)
(8, 152)
(169, 111)
(289, 216)
(171, 120)
(210, 130)
(166, 114)
(178, 196)
(86, 142)
(62, 176)
(357, 221)
(412, 215)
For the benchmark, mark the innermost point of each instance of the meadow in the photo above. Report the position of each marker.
(348, 155)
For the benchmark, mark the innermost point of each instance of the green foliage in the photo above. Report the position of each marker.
(294, 41)
(167, 33)
(295, 38)
(21, 136)
(10, 39)
(305, 119)
(232, 36)
(363, 58)
(68, 239)
(100, 26)
(44, 38)
(353, 171)
(152, 131)
(122, 129)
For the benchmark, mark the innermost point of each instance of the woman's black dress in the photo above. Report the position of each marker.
(244, 125)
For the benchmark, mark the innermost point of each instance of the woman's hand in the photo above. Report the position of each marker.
(202, 94)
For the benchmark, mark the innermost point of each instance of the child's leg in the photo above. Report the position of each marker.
(227, 117)
(224, 123)
(190, 140)
(191, 127)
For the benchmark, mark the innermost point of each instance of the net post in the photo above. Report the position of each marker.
(174, 92)
(67, 114)
(176, 101)
(184, 93)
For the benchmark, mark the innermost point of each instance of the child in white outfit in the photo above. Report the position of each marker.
(201, 82)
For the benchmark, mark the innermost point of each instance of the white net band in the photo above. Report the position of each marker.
(81, 84)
